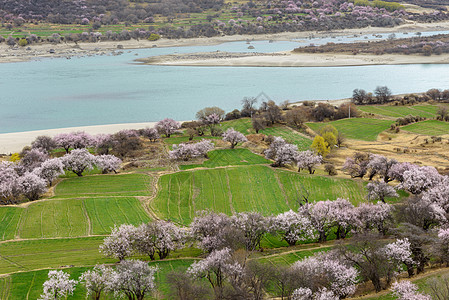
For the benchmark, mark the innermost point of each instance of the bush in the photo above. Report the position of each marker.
(330, 169)
(23, 42)
(154, 37)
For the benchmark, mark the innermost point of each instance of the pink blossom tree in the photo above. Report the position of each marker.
(108, 163)
(253, 225)
(307, 294)
(308, 160)
(183, 151)
(167, 126)
(44, 143)
(78, 161)
(50, 170)
(379, 190)
(380, 165)
(293, 227)
(58, 286)
(134, 279)
(320, 216)
(234, 137)
(276, 144)
(397, 170)
(420, 179)
(159, 236)
(343, 215)
(120, 243)
(33, 159)
(438, 194)
(151, 133)
(203, 147)
(216, 268)
(373, 216)
(357, 165)
(324, 270)
(209, 229)
(103, 142)
(64, 140)
(32, 186)
(82, 140)
(9, 188)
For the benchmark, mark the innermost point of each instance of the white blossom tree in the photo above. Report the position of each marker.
(373, 216)
(321, 217)
(9, 188)
(405, 290)
(120, 243)
(98, 280)
(293, 227)
(419, 179)
(151, 133)
(234, 137)
(380, 165)
(58, 286)
(134, 279)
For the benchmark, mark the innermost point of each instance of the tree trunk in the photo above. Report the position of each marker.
(323, 237)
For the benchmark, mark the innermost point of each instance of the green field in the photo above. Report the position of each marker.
(79, 217)
(242, 125)
(356, 128)
(104, 185)
(430, 127)
(427, 111)
(9, 221)
(289, 135)
(238, 189)
(229, 157)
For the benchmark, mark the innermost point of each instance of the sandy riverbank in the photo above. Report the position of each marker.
(8, 54)
(14, 142)
(289, 59)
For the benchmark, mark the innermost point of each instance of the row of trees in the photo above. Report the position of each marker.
(35, 172)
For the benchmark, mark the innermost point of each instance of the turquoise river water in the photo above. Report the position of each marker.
(95, 90)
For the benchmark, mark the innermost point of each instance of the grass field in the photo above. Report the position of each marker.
(229, 157)
(427, 111)
(237, 189)
(430, 127)
(242, 125)
(104, 185)
(9, 221)
(289, 135)
(356, 128)
(79, 217)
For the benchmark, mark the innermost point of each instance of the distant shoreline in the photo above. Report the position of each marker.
(290, 59)
(15, 141)
(8, 55)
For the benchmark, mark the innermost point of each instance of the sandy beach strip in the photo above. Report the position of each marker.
(18, 54)
(289, 59)
(14, 142)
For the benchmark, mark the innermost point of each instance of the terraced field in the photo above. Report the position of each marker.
(229, 157)
(238, 189)
(79, 217)
(427, 111)
(9, 220)
(104, 185)
(356, 128)
(430, 127)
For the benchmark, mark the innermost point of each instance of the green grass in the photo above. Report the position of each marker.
(50, 253)
(430, 127)
(242, 125)
(356, 128)
(427, 111)
(9, 221)
(238, 189)
(71, 217)
(104, 185)
(229, 157)
(290, 257)
(175, 140)
(289, 135)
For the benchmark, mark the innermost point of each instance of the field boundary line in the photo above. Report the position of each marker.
(281, 186)
(229, 192)
(31, 285)
(89, 224)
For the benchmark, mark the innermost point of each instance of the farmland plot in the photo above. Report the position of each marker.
(238, 189)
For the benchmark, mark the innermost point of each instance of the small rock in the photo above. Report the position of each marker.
(119, 46)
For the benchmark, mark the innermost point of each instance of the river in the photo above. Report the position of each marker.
(96, 90)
